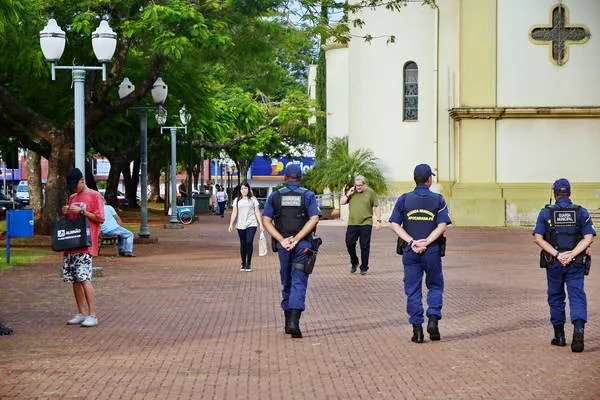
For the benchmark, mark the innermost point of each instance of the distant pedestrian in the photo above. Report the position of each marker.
(221, 200)
(420, 219)
(363, 203)
(564, 231)
(112, 226)
(77, 266)
(246, 215)
(291, 216)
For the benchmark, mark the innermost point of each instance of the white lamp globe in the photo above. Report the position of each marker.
(52, 41)
(104, 42)
(161, 115)
(126, 88)
(159, 91)
(184, 115)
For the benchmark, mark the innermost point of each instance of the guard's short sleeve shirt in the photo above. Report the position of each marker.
(443, 216)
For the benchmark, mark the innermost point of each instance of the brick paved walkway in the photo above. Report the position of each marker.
(180, 321)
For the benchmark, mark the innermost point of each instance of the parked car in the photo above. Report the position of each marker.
(22, 192)
(6, 204)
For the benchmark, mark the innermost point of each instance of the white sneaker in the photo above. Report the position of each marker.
(90, 320)
(76, 320)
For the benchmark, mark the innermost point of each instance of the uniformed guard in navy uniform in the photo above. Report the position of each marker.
(290, 216)
(564, 231)
(420, 219)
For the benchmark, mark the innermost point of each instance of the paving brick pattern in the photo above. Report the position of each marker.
(181, 321)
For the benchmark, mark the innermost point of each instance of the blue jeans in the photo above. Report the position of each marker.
(125, 238)
(221, 207)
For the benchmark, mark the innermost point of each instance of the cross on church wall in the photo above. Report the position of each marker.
(559, 34)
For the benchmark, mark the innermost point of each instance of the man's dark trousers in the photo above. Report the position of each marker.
(362, 233)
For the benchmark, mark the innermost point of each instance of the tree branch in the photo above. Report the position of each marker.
(238, 139)
(25, 119)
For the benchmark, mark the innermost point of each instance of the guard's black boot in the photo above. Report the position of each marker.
(418, 336)
(5, 330)
(577, 344)
(432, 328)
(294, 326)
(288, 315)
(559, 336)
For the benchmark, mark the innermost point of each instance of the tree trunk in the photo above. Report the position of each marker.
(154, 182)
(243, 166)
(112, 183)
(90, 179)
(34, 179)
(61, 159)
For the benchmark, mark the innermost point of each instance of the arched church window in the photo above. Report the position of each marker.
(411, 91)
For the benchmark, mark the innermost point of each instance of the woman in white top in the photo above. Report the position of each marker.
(246, 215)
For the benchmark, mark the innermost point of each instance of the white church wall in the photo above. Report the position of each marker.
(376, 89)
(526, 74)
(448, 85)
(542, 150)
(338, 92)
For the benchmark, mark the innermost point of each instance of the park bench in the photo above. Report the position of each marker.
(106, 240)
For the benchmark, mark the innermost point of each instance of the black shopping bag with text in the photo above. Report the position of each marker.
(71, 234)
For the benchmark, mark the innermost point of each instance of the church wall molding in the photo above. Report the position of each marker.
(459, 113)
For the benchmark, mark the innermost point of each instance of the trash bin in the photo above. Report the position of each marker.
(20, 223)
(201, 203)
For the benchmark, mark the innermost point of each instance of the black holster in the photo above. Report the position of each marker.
(546, 259)
(400, 244)
(308, 265)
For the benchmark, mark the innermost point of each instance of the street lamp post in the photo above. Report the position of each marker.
(104, 43)
(159, 95)
(185, 117)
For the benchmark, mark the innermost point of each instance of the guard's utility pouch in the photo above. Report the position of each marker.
(400, 244)
(584, 260)
(545, 259)
(442, 243)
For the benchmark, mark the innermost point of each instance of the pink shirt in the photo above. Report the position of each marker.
(92, 202)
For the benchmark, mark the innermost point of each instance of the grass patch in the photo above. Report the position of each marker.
(22, 256)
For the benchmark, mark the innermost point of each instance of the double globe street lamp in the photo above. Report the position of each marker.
(159, 95)
(184, 117)
(104, 43)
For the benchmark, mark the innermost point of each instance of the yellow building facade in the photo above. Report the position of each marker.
(507, 101)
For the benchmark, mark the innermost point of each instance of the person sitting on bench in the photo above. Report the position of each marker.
(112, 227)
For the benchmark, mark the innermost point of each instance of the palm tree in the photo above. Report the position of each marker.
(339, 168)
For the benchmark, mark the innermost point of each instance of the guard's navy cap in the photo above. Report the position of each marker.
(293, 171)
(423, 172)
(73, 177)
(561, 186)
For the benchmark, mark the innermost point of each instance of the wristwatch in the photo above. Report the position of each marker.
(82, 212)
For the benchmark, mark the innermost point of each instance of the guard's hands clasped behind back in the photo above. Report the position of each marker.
(289, 243)
(565, 258)
(419, 246)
